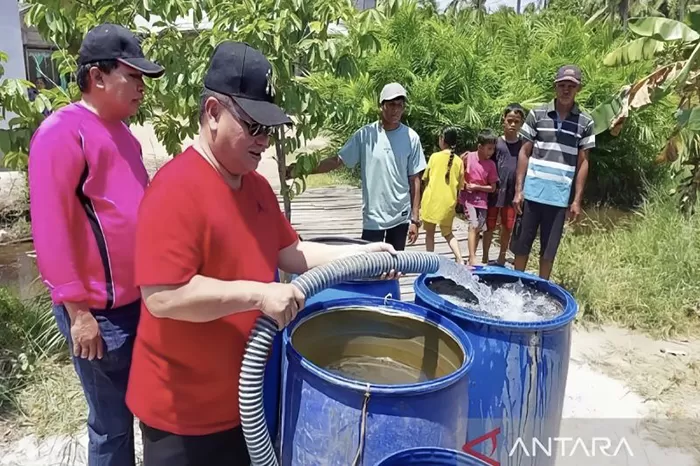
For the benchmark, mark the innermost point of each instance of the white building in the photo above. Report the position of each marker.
(11, 44)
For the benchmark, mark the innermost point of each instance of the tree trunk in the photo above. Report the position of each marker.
(681, 10)
(282, 171)
(624, 8)
(284, 277)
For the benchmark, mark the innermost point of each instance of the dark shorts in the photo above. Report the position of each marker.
(548, 219)
(395, 236)
(227, 448)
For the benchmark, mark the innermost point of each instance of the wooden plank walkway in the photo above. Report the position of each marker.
(337, 211)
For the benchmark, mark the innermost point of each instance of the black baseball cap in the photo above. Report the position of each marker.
(112, 42)
(240, 71)
(569, 73)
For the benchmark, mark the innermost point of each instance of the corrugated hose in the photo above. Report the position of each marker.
(250, 392)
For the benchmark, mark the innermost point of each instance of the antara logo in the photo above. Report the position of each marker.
(493, 437)
(565, 446)
(569, 446)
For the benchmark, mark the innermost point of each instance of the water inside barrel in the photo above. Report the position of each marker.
(377, 348)
(512, 302)
(376, 370)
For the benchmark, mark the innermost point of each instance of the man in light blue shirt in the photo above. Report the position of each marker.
(391, 162)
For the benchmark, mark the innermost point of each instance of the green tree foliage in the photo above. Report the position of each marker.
(460, 69)
(26, 116)
(463, 71)
(297, 36)
(677, 45)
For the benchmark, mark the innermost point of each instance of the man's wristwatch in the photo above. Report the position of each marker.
(418, 223)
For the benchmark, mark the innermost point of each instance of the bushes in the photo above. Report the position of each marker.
(643, 274)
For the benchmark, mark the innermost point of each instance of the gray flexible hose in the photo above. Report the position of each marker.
(250, 391)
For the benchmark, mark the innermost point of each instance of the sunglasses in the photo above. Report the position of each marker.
(254, 129)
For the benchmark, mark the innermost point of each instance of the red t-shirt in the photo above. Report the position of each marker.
(184, 376)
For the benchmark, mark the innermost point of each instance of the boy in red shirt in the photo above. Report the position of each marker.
(210, 238)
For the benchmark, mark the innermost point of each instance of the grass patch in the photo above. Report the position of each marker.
(53, 403)
(643, 275)
(32, 351)
(341, 177)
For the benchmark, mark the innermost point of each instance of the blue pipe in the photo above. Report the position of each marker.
(261, 338)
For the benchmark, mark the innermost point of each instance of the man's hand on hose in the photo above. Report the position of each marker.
(380, 247)
(84, 332)
(281, 302)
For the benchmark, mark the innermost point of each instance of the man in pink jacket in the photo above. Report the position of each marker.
(86, 180)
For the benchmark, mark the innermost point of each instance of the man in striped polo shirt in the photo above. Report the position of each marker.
(552, 160)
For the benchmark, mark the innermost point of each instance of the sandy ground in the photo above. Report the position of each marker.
(626, 385)
(621, 385)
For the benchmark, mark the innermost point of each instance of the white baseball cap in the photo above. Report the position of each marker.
(392, 91)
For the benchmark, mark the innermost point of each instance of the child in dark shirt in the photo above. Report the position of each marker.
(501, 201)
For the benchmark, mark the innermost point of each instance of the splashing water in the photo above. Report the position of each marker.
(514, 302)
(463, 277)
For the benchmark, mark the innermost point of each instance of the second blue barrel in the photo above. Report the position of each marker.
(370, 287)
(430, 456)
(361, 287)
(368, 377)
(519, 374)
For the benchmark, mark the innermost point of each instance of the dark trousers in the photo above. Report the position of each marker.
(104, 381)
(395, 236)
(227, 448)
(549, 220)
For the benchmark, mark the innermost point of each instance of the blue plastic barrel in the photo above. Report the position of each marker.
(325, 417)
(426, 456)
(352, 288)
(359, 288)
(518, 377)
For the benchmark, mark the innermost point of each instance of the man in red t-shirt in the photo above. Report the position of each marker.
(210, 238)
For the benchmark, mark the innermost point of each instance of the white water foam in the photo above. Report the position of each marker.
(513, 302)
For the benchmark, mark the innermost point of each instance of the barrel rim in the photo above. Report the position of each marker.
(392, 306)
(421, 452)
(563, 296)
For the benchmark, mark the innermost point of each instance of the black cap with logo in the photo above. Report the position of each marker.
(243, 73)
(112, 42)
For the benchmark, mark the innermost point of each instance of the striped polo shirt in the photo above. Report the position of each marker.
(552, 165)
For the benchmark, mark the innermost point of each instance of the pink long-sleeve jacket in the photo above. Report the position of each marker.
(86, 181)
